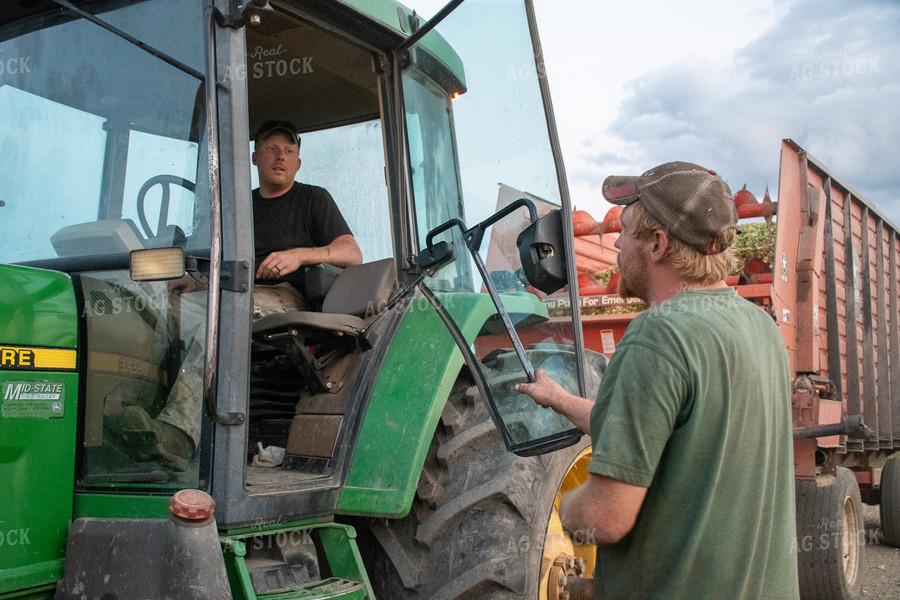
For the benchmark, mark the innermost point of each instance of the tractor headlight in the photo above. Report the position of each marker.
(155, 264)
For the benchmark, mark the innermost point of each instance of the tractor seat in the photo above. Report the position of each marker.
(359, 293)
(338, 323)
(316, 343)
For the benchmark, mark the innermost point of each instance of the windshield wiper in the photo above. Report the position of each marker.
(130, 38)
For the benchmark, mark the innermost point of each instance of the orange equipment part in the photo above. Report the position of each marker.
(584, 224)
(748, 207)
(194, 505)
(612, 222)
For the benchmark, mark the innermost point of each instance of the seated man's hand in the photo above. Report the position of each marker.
(281, 263)
(343, 251)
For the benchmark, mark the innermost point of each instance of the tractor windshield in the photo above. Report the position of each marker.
(102, 155)
(85, 154)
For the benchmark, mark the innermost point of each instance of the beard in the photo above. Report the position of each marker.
(632, 278)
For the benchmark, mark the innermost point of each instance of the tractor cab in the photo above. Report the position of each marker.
(380, 130)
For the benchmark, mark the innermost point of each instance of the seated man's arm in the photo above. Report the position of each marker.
(602, 510)
(343, 251)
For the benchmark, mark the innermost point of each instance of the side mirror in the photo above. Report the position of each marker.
(543, 253)
(436, 256)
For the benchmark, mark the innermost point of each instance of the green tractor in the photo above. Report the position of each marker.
(371, 446)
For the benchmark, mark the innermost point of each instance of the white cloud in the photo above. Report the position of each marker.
(820, 73)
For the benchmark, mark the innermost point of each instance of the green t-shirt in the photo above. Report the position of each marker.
(695, 405)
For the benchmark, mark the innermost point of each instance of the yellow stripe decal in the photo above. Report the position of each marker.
(21, 358)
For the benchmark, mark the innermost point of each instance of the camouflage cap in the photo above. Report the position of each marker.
(693, 203)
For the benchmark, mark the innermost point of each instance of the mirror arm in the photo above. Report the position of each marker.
(474, 237)
(510, 208)
(471, 362)
(504, 316)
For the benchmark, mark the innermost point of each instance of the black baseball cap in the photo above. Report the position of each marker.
(270, 127)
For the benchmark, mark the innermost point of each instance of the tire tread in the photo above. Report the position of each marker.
(890, 501)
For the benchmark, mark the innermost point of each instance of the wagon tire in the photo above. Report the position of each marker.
(890, 501)
(830, 539)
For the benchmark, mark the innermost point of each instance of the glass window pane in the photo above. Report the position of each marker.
(70, 195)
(143, 388)
(151, 155)
(84, 130)
(435, 185)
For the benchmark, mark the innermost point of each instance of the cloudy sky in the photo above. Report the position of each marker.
(721, 84)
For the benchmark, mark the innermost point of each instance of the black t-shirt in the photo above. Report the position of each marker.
(306, 216)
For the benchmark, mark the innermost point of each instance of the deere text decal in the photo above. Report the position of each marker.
(20, 358)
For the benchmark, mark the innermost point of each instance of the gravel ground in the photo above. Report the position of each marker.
(882, 576)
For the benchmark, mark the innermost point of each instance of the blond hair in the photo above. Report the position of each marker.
(694, 266)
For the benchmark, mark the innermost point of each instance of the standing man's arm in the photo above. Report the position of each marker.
(550, 394)
(343, 251)
(602, 510)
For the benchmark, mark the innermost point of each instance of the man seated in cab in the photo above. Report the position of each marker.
(295, 224)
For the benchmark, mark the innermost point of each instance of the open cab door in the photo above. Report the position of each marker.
(494, 223)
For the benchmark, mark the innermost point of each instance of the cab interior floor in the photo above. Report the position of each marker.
(264, 480)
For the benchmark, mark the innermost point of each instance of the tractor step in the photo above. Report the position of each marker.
(295, 562)
(327, 588)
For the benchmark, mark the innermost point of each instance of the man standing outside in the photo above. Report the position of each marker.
(690, 493)
(295, 224)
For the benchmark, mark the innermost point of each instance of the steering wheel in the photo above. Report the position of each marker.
(166, 181)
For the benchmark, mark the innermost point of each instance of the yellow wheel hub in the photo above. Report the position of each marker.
(562, 560)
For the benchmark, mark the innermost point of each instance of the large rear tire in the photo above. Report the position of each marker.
(479, 519)
(830, 539)
(890, 502)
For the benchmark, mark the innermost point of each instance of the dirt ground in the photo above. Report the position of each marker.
(882, 576)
